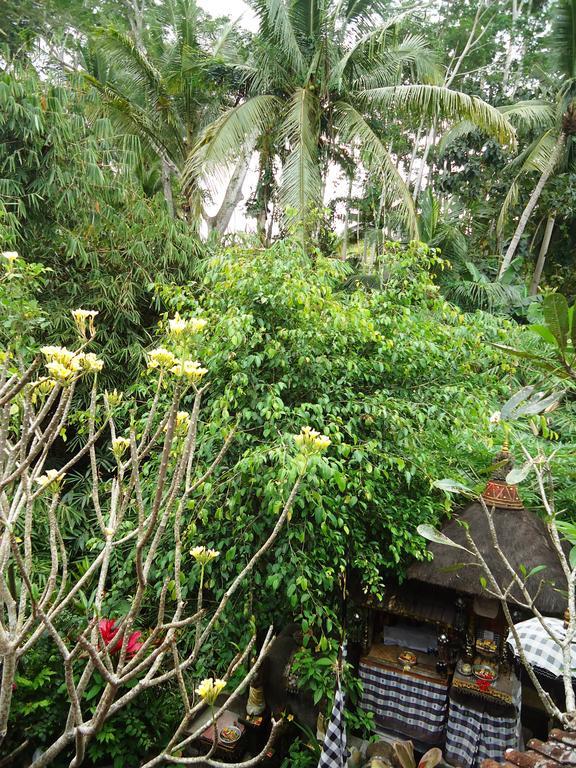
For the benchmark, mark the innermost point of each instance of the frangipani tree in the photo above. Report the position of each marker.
(322, 75)
(140, 508)
(521, 587)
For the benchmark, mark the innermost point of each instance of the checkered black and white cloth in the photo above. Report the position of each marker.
(406, 704)
(474, 735)
(334, 751)
(541, 651)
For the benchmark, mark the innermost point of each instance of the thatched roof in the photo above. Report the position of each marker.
(523, 538)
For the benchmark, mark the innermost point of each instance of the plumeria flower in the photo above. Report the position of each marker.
(60, 372)
(42, 387)
(83, 316)
(189, 369)
(11, 257)
(209, 689)
(177, 325)
(58, 354)
(203, 555)
(48, 478)
(495, 418)
(119, 446)
(161, 358)
(197, 324)
(113, 398)
(310, 441)
(91, 363)
(182, 422)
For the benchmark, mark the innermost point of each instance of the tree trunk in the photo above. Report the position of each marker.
(167, 187)
(233, 195)
(531, 204)
(429, 143)
(538, 269)
(344, 252)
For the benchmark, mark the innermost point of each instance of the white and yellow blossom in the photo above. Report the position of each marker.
(203, 555)
(42, 387)
(178, 325)
(189, 369)
(310, 441)
(60, 372)
(182, 422)
(209, 689)
(119, 446)
(113, 398)
(11, 257)
(82, 317)
(60, 355)
(495, 418)
(196, 324)
(49, 477)
(161, 358)
(90, 362)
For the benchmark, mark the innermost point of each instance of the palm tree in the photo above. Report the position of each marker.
(161, 84)
(323, 75)
(554, 149)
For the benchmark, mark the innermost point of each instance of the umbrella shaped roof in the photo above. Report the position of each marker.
(522, 536)
(539, 648)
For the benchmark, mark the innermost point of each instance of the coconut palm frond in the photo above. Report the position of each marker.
(306, 17)
(457, 131)
(435, 101)
(540, 153)
(510, 200)
(475, 290)
(353, 127)
(128, 117)
(370, 46)
(221, 141)
(412, 51)
(361, 9)
(275, 23)
(301, 185)
(221, 44)
(131, 61)
(564, 37)
(530, 114)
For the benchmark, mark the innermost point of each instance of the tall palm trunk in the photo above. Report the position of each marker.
(531, 204)
(167, 187)
(232, 197)
(538, 269)
(345, 234)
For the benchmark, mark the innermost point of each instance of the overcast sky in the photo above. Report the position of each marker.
(232, 8)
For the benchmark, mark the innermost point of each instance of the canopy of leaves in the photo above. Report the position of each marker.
(402, 383)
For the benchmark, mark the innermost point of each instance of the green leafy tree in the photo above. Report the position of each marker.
(398, 379)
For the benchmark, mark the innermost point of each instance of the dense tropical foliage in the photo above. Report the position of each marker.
(370, 212)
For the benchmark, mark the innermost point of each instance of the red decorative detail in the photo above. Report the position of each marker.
(484, 685)
(499, 494)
